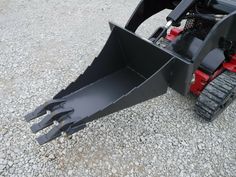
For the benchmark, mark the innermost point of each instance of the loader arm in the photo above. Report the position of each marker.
(146, 9)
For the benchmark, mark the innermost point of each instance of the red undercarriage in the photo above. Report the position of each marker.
(201, 78)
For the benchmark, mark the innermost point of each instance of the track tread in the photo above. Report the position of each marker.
(217, 95)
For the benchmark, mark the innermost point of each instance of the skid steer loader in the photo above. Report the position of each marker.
(199, 58)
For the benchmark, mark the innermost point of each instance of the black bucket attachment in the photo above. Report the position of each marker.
(129, 70)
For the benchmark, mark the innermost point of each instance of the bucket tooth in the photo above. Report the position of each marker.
(64, 126)
(41, 110)
(57, 115)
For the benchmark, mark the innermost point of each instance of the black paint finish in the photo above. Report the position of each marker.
(130, 70)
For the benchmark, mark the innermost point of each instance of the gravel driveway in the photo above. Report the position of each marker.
(45, 45)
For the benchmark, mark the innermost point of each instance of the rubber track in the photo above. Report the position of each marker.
(214, 99)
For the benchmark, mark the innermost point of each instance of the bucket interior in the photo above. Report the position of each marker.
(125, 63)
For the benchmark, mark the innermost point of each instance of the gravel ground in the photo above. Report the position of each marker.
(44, 46)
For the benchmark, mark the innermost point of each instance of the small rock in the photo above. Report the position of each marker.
(201, 146)
(51, 157)
(70, 172)
(35, 167)
(80, 149)
(10, 163)
(175, 142)
(2, 167)
(113, 170)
